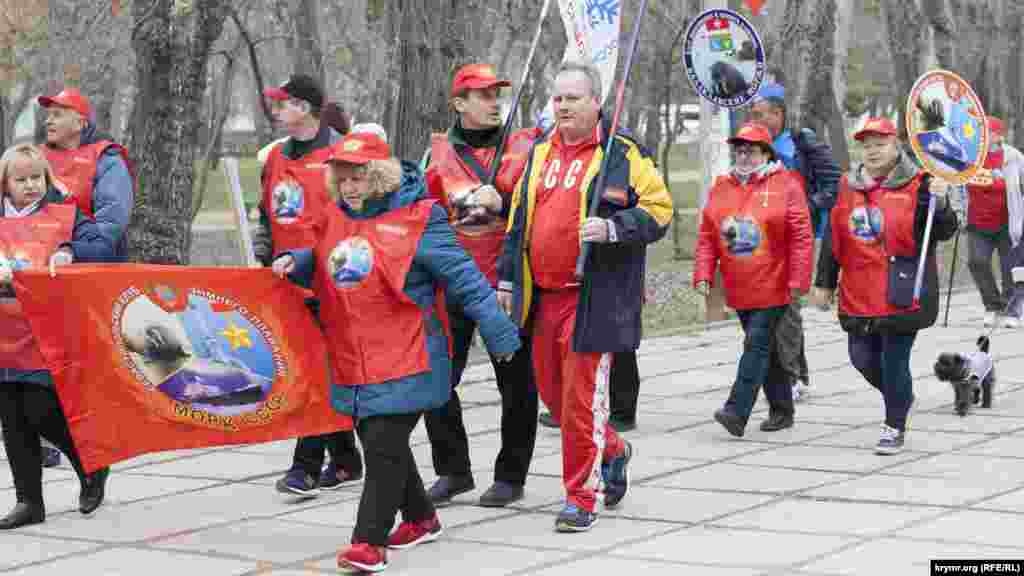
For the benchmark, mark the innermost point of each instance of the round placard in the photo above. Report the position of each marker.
(724, 58)
(946, 125)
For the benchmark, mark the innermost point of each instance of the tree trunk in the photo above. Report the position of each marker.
(837, 124)
(807, 45)
(307, 55)
(902, 20)
(944, 32)
(431, 47)
(172, 48)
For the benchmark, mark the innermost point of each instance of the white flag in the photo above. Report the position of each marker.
(592, 33)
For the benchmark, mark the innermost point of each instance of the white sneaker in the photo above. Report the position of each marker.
(1011, 322)
(990, 318)
(797, 392)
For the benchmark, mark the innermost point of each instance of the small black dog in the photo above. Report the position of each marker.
(971, 375)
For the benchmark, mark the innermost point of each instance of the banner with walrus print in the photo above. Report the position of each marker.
(150, 358)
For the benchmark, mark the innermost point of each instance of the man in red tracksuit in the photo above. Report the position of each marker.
(577, 324)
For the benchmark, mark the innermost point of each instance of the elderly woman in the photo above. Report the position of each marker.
(381, 257)
(756, 227)
(876, 239)
(29, 408)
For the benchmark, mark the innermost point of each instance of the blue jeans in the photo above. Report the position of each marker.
(759, 366)
(884, 360)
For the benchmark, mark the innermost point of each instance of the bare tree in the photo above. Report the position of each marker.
(172, 41)
(902, 19)
(806, 45)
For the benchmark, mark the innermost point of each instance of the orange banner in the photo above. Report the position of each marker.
(151, 358)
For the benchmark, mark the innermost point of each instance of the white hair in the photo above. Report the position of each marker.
(592, 74)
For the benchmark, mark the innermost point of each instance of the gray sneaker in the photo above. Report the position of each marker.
(891, 441)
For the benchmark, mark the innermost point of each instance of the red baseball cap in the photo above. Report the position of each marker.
(753, 133)
(68, 98)
(359, 148)
(995, 125)
(476, 77)
(878, 126)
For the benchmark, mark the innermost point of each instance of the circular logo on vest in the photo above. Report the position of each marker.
(213, 358)
(350, 262)
(866, 223)
(16, 261)
(288, 201)
(742, 235)
(724, 58)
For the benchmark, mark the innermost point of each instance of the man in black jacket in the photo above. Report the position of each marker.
(813, 159)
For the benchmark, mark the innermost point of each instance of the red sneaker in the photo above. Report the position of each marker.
(363, 557)
(410, 534)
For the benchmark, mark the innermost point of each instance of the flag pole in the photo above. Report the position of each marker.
(507, 128)
(602, 176)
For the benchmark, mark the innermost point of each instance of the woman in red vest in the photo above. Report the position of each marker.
(872, 254)
(36, 230)
(380, 259)
(756, 227)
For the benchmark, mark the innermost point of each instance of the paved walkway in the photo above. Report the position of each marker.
(813, 500)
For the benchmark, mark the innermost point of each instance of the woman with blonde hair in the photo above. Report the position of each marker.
(29, 407)
(382, 255)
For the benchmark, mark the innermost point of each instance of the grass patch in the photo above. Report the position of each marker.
(218, 196)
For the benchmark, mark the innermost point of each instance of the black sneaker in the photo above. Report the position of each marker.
(776, 422)
(501, 494)
(731, 422)
(333, 477)
(299, 483)
(447, 487)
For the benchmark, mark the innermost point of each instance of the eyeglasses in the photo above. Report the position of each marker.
(748, 151)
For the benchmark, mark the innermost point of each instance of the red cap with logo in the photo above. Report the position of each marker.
(995, 125)
(476, 77)
(68, 98)
(753, 133)
(359, 148)
(877, 126)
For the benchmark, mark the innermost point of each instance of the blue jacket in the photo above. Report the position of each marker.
(87, 244)
(439, 260)
(813, 159)
(113, 195)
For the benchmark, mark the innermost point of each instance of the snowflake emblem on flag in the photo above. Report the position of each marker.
(602, 10)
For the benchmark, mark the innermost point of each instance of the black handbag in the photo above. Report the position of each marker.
(902, 278)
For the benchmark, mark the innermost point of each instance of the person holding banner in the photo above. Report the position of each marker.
(380, 261)
(458, 165)
(293, 196)
(995, 216)
(37, 228)
(756, 228)
(877, 231)
(578, 323)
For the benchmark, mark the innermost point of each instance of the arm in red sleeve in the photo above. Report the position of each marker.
(705, 255)
(800, 237)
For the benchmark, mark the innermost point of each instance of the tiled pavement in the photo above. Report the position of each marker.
(812, 501)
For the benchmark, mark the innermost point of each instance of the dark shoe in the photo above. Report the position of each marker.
(573, 519)
(546, 419)
(51, 457)
(501, 494)
(94, 491)
(891, 442)
(333, 477)
(776, 422)
(732, 422)
(622, 425)
(23, 514)
(299, 483)
(447, 487)
(616, 477)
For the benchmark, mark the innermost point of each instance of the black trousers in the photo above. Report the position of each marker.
(28, 413)
(393, 482)
(309, 453)
(447, 432)
(625, 386)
